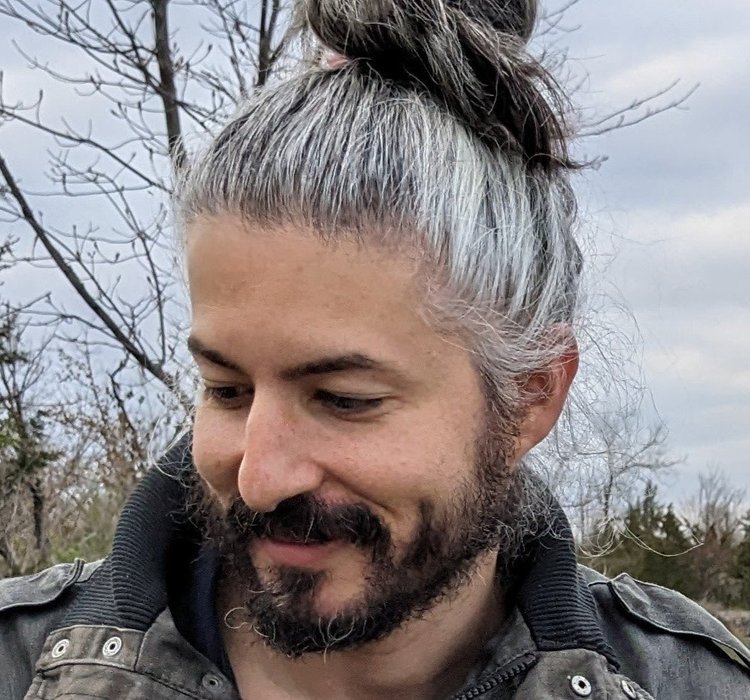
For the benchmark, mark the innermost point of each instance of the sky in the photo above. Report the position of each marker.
(673, 201)
(668, 208)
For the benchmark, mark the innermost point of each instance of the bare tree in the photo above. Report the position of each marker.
(714, 518)
(554, 28)
(60, 502)
(600, 465)
(631, 457)
(150, 92)
(718, 507)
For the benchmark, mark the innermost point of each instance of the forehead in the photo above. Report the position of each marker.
(286, 291)
(281, 261)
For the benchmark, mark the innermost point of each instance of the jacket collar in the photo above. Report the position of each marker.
(155, 540)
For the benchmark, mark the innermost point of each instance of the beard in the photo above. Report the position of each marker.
(489, 512)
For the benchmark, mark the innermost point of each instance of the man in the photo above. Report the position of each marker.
(383, 285)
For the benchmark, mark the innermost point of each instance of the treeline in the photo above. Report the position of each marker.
(700, 548)
(68, 459)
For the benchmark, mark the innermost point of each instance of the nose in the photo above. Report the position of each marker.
(276, 462)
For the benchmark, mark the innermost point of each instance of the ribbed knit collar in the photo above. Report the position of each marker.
(155, 541)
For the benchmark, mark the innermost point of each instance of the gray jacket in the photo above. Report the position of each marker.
(105, 630)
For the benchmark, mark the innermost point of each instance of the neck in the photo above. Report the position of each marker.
(425, 658)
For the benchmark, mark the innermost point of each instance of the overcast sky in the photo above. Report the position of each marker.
(674, 195)
(673, 198)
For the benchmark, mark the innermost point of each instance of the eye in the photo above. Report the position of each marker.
(347, 404)
(228, 396)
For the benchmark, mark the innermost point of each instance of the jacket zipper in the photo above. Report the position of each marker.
(495, 681)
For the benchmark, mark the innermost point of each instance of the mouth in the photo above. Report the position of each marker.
(296, 554)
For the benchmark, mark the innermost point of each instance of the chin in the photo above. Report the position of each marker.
(332, 600)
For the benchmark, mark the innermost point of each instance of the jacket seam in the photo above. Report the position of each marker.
(735, 646)
(130, 671)
(70, 580)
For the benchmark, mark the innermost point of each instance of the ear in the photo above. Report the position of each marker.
(546, 392)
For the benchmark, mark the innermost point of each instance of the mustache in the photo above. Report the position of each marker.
(304, 519)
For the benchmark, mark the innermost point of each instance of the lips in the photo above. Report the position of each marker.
(298, 554)
(281, 538)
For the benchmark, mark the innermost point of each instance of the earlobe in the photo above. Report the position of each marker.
(546, 393)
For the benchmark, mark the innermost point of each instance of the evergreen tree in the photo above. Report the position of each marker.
(650, 544)
(24, 453)
(741, 565)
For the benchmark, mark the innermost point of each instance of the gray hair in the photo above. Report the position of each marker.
(439, 133)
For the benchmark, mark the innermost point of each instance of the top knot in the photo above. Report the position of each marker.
(468, 54)
(515, 17)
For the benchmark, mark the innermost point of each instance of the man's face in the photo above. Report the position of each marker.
(343, 444)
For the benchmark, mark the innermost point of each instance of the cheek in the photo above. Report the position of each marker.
(404, 464)
(217, 448)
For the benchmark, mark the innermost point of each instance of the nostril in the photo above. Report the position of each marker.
(266, 480)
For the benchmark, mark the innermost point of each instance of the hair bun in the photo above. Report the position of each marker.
(516, 17)
(468, 54)
(348, 21)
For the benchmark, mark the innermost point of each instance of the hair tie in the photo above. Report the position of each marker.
(334, 60)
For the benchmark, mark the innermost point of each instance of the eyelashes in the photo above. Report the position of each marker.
(233, 397)
(348, 404)
(227, 396)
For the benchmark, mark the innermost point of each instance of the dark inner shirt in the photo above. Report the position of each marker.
(193, 606)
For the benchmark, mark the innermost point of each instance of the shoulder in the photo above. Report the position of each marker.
(30, 607)
(666, 642)
(43, 587)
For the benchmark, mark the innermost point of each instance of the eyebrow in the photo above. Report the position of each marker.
(199, 349)
(325, 365)
(330, 365)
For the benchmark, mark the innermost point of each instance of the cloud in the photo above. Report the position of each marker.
(718, 61)
(673, 200)
(683, 157)
(696, 261)
(690, 295)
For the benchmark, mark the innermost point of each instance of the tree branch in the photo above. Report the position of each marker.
(154, 369)
(167, 90)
